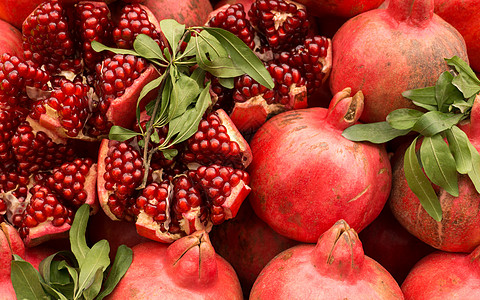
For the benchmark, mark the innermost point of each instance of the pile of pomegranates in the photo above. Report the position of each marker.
(243, 149)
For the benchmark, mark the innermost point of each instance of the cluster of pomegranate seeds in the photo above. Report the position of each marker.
(134, 21)
(283, 23)
(246, 88)
(234, 19)
(9, 120)
(93, 24)
(154, 200)
(68, 181)
(212, 144)
(285, 78)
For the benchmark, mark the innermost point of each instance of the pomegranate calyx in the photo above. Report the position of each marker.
(344, 110)
(411, 12)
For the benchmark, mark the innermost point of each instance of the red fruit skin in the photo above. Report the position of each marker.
(183, 270)
(248, 244)
(246, 4)
(334, 268)
(444, 275)
(15, 11)
(10, 39)
(462, 16)
(384, 52)
(459, 230)
(305, 175)
(188, 12)
(339, 8)
(391, 245)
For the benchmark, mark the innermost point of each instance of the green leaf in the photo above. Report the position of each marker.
(445, 92)
(123, 260)
(419, 183)
(186, 91)
(53, 292)
(243, 56)
(424, 97)
(403, 118)
(49, 270)
(466, 80)
(439, 164)
(222, 67)
(118, 133)
(434, 122)
(26, 281)
(199, 76)
(92, 291)
(458, 144)
(97, 258)
(74, 275)
(99, 47)
(474, 173)
(78, 243)
(378, 133)
(169, 153)
(227, 82)
(147, 89)
(173, 31)
(210, 44)
(154, 137)
(146, 47)
(463, 105)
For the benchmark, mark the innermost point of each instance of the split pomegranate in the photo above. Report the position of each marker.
(204, 185)
(384, 52)
(458, 231)
(444, 276)
(280, 33)
(187, 269)
(305, 175)
(334, 268)
(248, 244)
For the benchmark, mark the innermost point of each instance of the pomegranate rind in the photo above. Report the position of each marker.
(101, 191)
(90, 187)
(44, 232)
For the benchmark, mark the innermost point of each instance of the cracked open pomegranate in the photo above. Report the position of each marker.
(281, 34)
(203, 185)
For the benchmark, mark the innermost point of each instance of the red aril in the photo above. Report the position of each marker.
(187, 269)
(305, 175)
(334, 268)
(384, 52)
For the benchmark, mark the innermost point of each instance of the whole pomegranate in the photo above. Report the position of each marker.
(463, 16)
(384, 52)
(459, 230)
(248, 244)
(283, 36)
(340, 8)
(391, 245)
(10, 39)
(442, 275)
(187, 269)
(188, 12)
(334, 268)
(305, 175)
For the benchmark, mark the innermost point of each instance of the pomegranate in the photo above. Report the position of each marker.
(305, 175)
(391, 245)
(299, 61)
(187, 269)
(188, 12)
(248, 244)
(10, 40)
(340, 8)
(459, 15)
(458, 231)
(246, 3)
(390, 51)
(203, 185)
(444, 275)
(334, 268)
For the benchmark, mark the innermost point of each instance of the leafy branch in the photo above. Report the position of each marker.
(445, 150)
(183, 94)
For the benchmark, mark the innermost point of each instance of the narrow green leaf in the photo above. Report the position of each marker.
(123, 260)
(466, 80)
(445, 92)
(227, 82)
(26, 280)
(463, 105)
(243, 56)
(222, 67)
(439, 164)
(186, 90)
(459, 146)
(173, 31)
(420, 185)
(199, 76)
(99, 47)
(118, 133)
(96, 258)
(146, 47)
(78, 243)
(74, 275)
(49, 270)
(474, 173)
(378, 133)
(210, 44)
(434, 122)
(424, 97)
(403, 118)
(92, 291)
(53, 292)
(147, 89)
